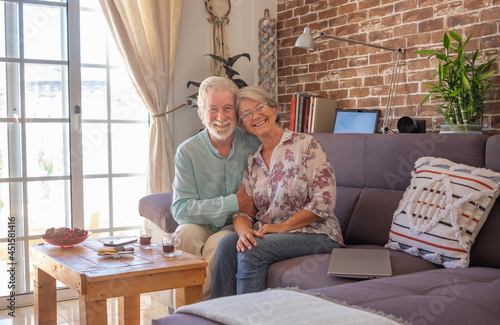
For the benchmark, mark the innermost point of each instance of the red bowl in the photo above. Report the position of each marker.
(70, 242)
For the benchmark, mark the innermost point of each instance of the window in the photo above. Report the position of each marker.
(60, 167)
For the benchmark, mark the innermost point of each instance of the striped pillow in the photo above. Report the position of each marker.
(443, 210)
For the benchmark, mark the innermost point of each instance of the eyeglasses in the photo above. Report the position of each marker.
(248, 114)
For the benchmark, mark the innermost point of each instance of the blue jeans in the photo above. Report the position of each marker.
(237, 273)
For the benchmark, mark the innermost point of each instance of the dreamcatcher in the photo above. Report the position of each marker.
(219, 9)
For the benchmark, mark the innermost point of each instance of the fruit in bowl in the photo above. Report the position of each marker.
(65, 237)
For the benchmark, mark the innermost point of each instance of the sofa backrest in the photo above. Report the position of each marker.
(374, 170)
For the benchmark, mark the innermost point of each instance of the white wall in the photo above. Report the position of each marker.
(194, 42)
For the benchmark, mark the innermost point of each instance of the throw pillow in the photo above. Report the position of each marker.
(442, 211)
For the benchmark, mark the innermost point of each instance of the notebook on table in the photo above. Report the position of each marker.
(360, 263)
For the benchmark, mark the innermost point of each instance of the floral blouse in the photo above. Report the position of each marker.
(300, 177)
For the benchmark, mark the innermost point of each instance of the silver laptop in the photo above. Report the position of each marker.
(360, 263)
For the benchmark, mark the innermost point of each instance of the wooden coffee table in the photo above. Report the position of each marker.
(97, 278)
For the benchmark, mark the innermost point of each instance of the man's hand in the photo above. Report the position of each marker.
(245, 202)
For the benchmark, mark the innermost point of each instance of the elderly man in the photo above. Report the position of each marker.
(208, 172)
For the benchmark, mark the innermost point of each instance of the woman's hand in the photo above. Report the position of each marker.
(301, 219)
(247, 239)
(274, 228)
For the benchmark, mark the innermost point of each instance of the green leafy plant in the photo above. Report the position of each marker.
(227, 64)
(461, 84)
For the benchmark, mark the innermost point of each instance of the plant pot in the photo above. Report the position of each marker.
(461, 128)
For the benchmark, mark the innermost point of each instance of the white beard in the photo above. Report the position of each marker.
(219, 133)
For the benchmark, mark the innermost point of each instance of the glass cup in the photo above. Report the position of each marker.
(170, 242)
(145, 237)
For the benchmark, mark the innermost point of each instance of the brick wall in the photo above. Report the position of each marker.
(359, 76)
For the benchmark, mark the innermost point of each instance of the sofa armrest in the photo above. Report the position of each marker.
(156, 208)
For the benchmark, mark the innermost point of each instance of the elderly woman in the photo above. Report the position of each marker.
(293, 187)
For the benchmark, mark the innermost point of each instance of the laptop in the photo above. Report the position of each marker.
(356, 120)
(360, 263)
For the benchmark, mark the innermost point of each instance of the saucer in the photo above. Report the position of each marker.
(152, 246)
(176, 252)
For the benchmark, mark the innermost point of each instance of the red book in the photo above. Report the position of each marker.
(293, 106)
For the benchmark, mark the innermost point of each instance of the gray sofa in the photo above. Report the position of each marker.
(372, 173)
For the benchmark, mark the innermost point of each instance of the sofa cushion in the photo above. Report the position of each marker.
(443, 210)
(492, 154)
(441, 296)
(371, 220)
(156, 208)
(308, 272)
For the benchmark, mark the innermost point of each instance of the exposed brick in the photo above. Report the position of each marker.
(337, 21)
(347, 103)
(290, 23)
(356, 17)
(429, 3)
(301, 11)
(373, 80)
(490, 42)
(346, 30)
(329, 13)
(447, 9)
(405, 30)
(338, 94)
(352, 7)
(382, 57)
(331, 84)
(318, 67)
(338, 64)
(381, 11)
(366, 4)
(391, 21)
(348, 73)
(359, 76)
(486, 29)
(461, 20)
(406, 5)
(419, 40)
(476, 4)
(359, 92)
(356, 62)
(310, 87)
(349, 83)
(431, 25)
(317, 5)
(417, 15)
(373, 24)
(337, 3)
(328, 55)
(418, 64)
(304, 20)
(369, 102)
(376, 36)
(368, 71)
(490, 14)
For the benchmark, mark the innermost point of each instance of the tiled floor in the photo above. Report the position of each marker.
(152, 307)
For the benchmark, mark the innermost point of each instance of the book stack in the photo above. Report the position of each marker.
(310, 113)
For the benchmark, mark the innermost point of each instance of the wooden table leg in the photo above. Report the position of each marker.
(129, 310)
(45, 297)
(93, 312)
(188, 295)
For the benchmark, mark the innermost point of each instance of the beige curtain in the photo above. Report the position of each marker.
(146, 32)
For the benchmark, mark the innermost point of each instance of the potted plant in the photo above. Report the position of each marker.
(462, 83)
(227, 64)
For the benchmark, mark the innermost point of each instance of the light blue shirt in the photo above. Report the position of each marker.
(205, 183)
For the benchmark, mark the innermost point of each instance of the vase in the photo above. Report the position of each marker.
(461, 128)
